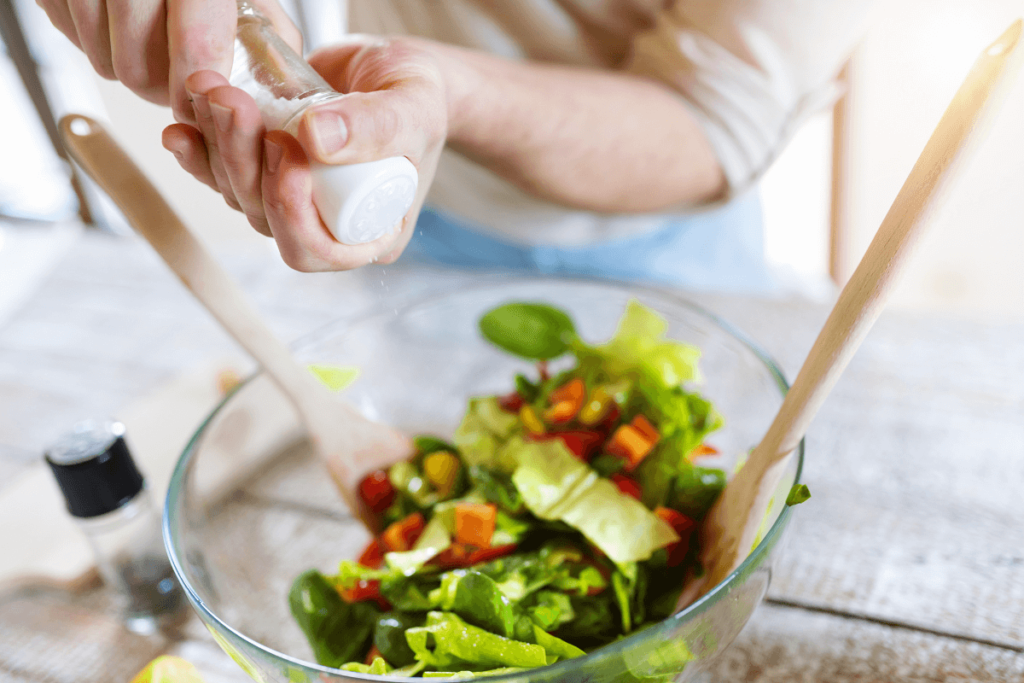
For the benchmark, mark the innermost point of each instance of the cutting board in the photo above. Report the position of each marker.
(42, 543)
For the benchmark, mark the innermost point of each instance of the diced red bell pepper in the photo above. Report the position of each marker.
(402, 535)
(376, 491)
(373, 554)
(581, 443)
(460, 555)
(627, 485)
(474, 523)
(365, 590)
(511, 402)
(684, 526)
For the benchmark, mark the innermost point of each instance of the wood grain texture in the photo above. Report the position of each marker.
(784, 644)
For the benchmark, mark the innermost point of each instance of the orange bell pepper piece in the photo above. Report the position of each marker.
(629, 444)
(474, 523)
(402, 535)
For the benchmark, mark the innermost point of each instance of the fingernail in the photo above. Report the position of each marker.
(222, 117)
(329, 132)
(200, 104)
(272, 153)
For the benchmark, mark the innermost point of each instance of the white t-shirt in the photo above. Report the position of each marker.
(751, 70)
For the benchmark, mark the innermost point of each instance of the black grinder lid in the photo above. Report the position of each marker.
(94, 468)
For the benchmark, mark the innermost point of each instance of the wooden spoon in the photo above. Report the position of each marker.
(730, 529)
(350, 444)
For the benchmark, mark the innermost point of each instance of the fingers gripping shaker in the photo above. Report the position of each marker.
(357, 202)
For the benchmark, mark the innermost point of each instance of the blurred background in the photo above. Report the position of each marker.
(824, 197)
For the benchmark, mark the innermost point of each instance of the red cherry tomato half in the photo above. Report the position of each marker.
(376, 491)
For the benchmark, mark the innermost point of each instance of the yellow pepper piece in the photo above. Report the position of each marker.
(441, 468)
(531, 421)
(596, 407)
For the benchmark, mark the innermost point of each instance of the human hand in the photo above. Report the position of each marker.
(396, 106)
(152, 46)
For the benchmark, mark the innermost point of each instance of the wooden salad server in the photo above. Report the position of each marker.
(349, 444)
(731, 527)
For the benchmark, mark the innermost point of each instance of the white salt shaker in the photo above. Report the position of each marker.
(357, 202)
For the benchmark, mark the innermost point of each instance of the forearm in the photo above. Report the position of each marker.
(594, 140)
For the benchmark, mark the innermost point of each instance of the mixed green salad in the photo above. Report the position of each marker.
(559, 518)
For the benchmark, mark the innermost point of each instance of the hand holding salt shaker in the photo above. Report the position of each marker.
(357, 202)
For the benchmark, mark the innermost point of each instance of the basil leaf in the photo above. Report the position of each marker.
(534, 331)
(338, 631)
(798, 494)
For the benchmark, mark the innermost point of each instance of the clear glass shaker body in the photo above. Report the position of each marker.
(282, 83)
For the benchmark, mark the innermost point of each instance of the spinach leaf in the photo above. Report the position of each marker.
(389, 637)
(695, 490)
(595, 622)
(410, 593)
(337, 631)
(548, 609)
(476, 598)
(534, 331)
(798, 494)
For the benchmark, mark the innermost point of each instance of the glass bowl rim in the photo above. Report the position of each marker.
(697, 607)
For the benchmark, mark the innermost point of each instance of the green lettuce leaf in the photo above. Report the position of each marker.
(378, 667)
(638, 345)
(557, 486)
(447, 642)
(556, 646)
(473, 674)
(484, 429)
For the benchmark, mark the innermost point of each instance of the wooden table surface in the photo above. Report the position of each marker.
(906, 565)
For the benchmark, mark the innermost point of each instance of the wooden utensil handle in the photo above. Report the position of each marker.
(147, 211)
(737, 515)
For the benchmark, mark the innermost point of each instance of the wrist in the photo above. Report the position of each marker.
(461, 83)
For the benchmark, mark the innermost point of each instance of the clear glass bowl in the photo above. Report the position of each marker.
(237, 546)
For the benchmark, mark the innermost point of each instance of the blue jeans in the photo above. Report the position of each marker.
(721, 249)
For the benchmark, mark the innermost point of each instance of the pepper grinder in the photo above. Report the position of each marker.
(357, 202)
(106, 494)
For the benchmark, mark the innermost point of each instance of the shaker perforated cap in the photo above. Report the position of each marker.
(94, 468)
(362, 202)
